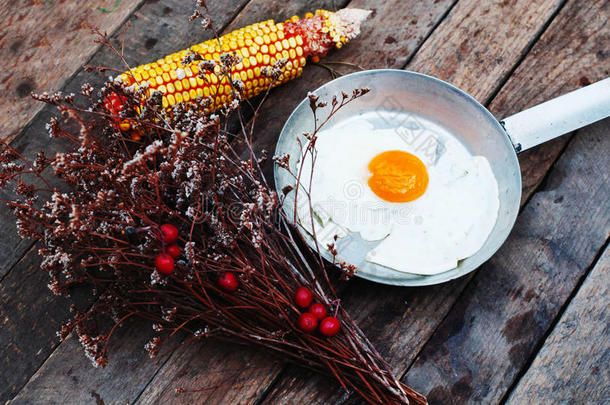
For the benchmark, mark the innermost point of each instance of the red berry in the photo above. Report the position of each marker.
(164, 263)
(308, 322)
(303, 297)
(330, 326)
(228, 281)
(174, 251)
(169, 233)
(318, 310)
(114, 103)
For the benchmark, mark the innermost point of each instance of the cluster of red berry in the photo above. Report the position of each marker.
(316, 312)
(164, 262)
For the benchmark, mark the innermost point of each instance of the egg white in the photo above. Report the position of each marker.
(449, 222)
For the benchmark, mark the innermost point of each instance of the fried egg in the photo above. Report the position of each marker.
(427, 206)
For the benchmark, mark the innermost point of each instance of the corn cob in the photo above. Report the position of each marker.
(256, 46)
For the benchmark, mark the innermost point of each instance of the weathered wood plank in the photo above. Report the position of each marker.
(73, 379)
(373, 45)
(389, 37)
(212, 372)
(573, 363)
(473, 48)
(158, 28)
(555, 66)
(572, 53)
(478, 350)
(364, 304)
(42, 43)
(28, 325)
(26, 302)
(469, 36)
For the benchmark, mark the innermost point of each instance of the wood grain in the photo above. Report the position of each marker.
(573, 363)
(27, 325)
(31, 313)
(554, 66)
(42, 44)
(477, 351)
(389, 20)
(73, 379)
(212, 372)
(570, 54)
(392, 316)
(400, 334)
(392, 33)
(157, 28)
(479, 42)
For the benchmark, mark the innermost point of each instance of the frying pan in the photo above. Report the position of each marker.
(422, 104)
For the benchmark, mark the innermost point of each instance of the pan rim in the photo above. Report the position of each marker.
(421, 280)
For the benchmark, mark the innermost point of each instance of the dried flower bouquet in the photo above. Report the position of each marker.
(176, 228)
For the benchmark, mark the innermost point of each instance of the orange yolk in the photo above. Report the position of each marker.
(398, 176)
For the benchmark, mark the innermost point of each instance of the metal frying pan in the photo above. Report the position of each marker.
(425, 106)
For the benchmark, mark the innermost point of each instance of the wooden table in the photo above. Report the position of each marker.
(530, 326)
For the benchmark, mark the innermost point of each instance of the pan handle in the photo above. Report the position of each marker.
(559, 116)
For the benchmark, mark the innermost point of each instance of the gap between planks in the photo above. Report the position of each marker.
(541, 184)
(101, 50)
(265, 394)
(38, 114)
(541, 380)
(577, 289)
(548, 171)
(487, 103)
(548, 91)
(428, 35)
(41, 43)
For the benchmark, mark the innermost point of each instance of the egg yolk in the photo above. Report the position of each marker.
(398, 176)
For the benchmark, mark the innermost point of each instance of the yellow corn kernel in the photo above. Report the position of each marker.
(257, 45)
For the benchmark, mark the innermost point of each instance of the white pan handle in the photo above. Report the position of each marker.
(559, 116)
